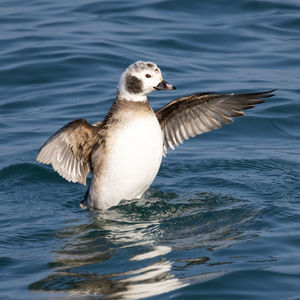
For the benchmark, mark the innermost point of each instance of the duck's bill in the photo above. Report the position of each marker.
(163, 85)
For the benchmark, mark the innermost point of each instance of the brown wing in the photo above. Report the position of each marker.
(195, 114)
(69, 149)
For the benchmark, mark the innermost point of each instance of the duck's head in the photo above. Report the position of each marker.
(140, 79)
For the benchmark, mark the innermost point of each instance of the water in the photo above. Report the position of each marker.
(221, 220)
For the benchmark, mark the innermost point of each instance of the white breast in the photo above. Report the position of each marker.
(134, 154)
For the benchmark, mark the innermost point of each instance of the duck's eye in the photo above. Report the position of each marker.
(148, 75)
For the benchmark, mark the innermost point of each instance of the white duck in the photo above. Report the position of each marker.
(124, 151)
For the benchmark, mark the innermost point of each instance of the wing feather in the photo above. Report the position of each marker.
(69, 149)
(191, 115)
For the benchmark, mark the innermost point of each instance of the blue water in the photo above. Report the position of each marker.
(222, 218)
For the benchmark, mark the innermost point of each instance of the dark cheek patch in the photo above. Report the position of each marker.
(133, 84)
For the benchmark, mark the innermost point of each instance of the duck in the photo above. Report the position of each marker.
(124, 151)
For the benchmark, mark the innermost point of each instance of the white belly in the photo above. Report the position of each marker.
(134, 154)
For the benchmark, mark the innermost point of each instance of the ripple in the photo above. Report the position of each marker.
(224, 286)
(221, 218)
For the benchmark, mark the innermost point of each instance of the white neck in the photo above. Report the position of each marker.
(124, 95)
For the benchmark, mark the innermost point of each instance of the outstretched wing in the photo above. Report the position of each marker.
(69, 149)
(195, 114)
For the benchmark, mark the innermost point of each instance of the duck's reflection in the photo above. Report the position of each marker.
(140, 249)
(113, 257)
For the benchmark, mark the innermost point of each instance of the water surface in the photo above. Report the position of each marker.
(221, 220)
